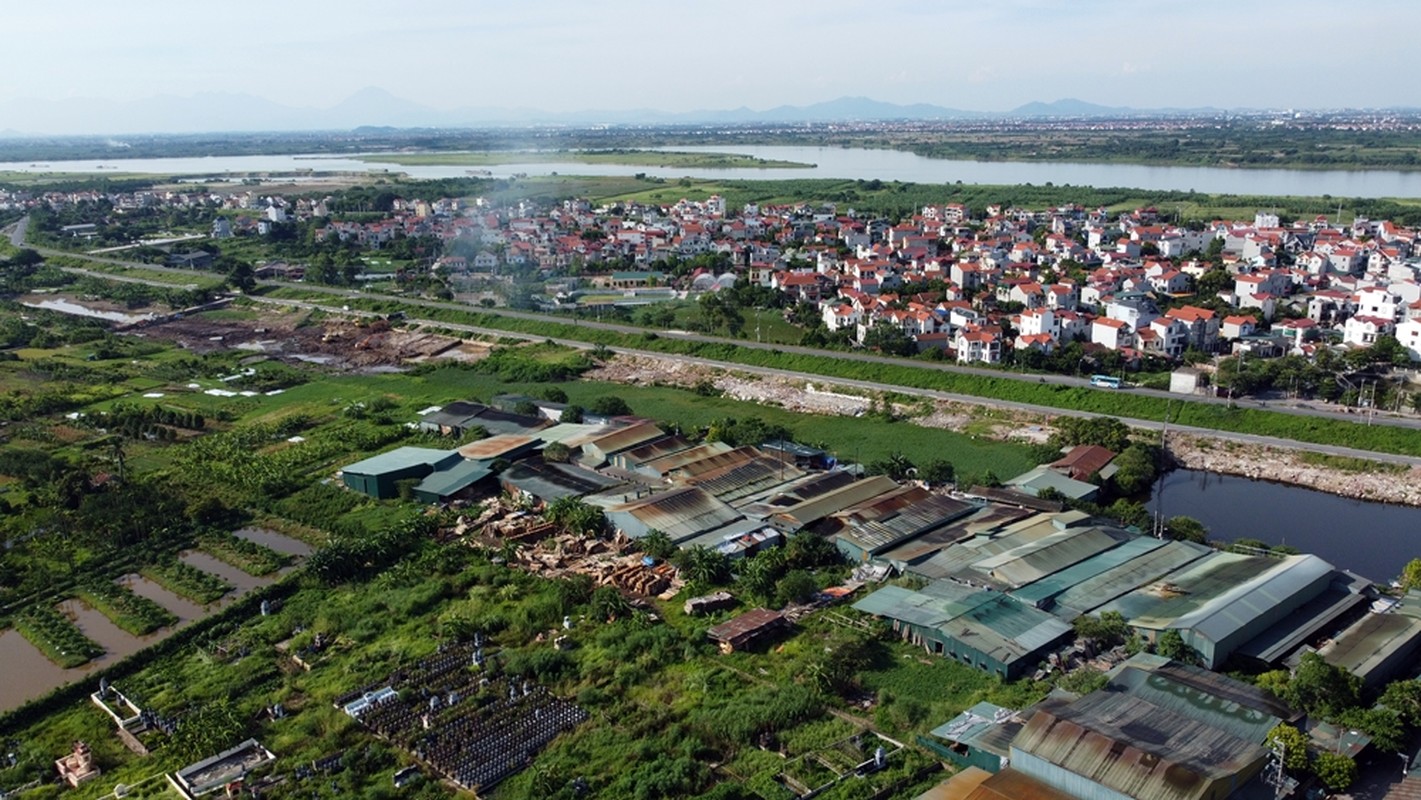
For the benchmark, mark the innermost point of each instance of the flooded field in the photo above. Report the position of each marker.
(279, 542)
(25, 672)
(242, 581)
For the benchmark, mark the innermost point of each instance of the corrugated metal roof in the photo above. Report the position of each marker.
(657, 448)
(1341, 599)
(400, 458)
(679, 513)
(959, 558)
(985, 726)
(452, 479)
(574, 434)
(1157, 604)
(714, 461)
(497, 446)
(916, 518)
(990, 622)
(553, 481)
(1136, 748)
(1040, 478)
(1238, 709)
(817, 508)
(1009, 784)
(1050, 554)
(1293, 578)
(1087, 596)
(746, 478)
(1040, 593)
(665, 464)
(1370, 641)
(619, 439)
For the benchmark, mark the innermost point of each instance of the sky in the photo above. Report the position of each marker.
(558, 55)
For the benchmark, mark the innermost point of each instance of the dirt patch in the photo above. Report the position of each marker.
(339, 343)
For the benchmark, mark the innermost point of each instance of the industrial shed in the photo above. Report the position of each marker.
(988, 630)
(458, 480)
(548, 482)
(814, 509)
(658, 468)
(635, 457)
(978, 737)
(747, 629)
(681, 514)
(745, 479)
(909, 515)
(1049, 555)
(1223, 600)
(1379, 647)
(1121, 579)
(377, 476)
(1158, 729)
(460, 417)
(598, 450)
(1042, 593)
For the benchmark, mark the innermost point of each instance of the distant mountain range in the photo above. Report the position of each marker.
(221, 112)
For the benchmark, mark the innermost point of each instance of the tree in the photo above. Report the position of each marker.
(1107, 630)
(1136, 469)
(1411, 575)
(556, 453)
(1404, 697)
(703, 565)
(890, 340)
(1187, 529)
(657, 544)
(1295, 745)
(609, 405)
(797, 586)
(1382, 725)
(1107, 432)
(937, 472)
(1171, 644)
(759, 573)
(526, 408)
(608, 603)
(1336, 771)
(571, 414)
(896, 466)
(554, 395)
(577, 516)
(1321, 689)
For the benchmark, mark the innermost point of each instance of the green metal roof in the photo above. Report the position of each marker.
(402, 458)
(1040, 592)
(1048, 555)
(1034, 481)
(1090, 594)
(1185, 591)
(445, 482)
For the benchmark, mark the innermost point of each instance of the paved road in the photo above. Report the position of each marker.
(17, 231)
(1244, 438)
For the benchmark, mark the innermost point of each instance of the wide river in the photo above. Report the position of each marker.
(829, 162)
(1374, 540)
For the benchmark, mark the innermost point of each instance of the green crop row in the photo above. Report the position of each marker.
(134, 613)
(187, 580)
(247, 556)
(56, 636)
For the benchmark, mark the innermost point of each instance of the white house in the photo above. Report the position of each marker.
(1362, 331)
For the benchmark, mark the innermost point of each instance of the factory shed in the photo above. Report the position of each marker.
(1113, 744)
(1344, 600)
(800, 455)
(985, 629)
(1092, 593)
(598, 450)
(745, 479)
(779, 498)
(814, 509)
(460, 417)
(548, 482)
(658, 468)
(458, 480)
(574, 435)
(508, 446)
(1034, 481)
(912, 515)
(1083, 461)
(711, 462)
(1042, 593)
(633, 458)
(681, 514)
(978, 737)
(1379, 647)
(377, 476)
(958, 559)
(1048, 555)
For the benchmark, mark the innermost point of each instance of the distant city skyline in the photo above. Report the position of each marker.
(559, 56)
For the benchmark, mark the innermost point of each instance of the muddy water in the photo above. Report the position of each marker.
(185, 609)
(26, 672)
(244, 582)
(281, 543)
(117, 642)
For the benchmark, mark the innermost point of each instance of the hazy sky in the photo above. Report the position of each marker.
(559, 55)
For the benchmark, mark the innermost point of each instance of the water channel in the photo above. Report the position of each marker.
(25, 673)
(1374, 540)
(829, 162)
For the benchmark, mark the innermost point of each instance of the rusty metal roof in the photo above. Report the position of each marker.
(679, 513)
(500, 446)
(746, 626)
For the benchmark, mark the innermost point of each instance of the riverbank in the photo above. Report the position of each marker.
(1357, 479)
(622, 157)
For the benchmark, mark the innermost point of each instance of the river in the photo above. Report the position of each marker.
(829, 162)
(1374, 540)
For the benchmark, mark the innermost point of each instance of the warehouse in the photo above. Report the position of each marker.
(1379, 647)
(985, 629)
(681, 514)
(377, 476)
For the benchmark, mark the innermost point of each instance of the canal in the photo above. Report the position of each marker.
(1374, 540)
